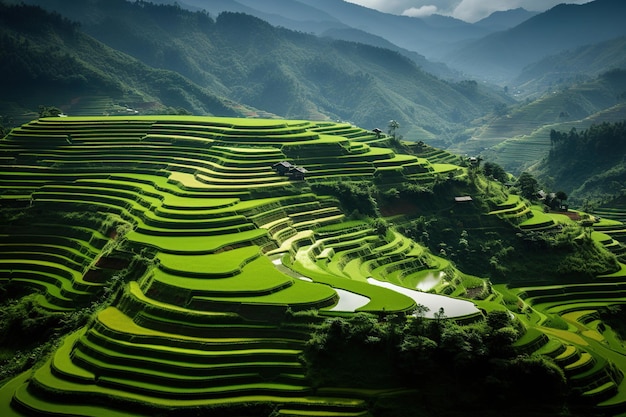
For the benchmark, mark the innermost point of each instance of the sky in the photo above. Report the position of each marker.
(468, 10)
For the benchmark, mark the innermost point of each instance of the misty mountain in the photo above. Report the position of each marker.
(356, 35)
(429, 36)
(520, 136)
(290, 14)
(286, 73)
(499, 57)
(503, 20)
(571, 66)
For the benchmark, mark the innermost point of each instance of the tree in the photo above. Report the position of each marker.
(393, 127)
(49, 111)
(528, 185)
(561, 196)
(494, 170)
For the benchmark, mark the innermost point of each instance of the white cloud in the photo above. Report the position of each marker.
(468, 10)
(422, 11)
(473, 10)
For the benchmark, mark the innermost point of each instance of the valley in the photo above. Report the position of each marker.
(310, 208)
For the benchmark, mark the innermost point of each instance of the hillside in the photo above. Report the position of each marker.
(285, 73)
(600, 149)
(49, 61)
(503, 20)
(500, 56)
(570, 67)
(437, 33)
(177, 265)
(521, 135)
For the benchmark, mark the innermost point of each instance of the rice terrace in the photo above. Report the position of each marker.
(253, 267)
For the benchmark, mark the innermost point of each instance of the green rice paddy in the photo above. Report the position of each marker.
(232, 249)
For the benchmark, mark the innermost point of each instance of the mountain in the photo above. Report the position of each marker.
(286, 73)
(290, 14)
(571, 66)
(428, 36)
(48, 60)
(503, 20)
(520, 136)
(294, 15)
(499, 57)
(355, 35)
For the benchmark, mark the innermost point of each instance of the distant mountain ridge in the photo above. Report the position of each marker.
(573, 66)
(289, 74)
(500, 56)
(503, 20)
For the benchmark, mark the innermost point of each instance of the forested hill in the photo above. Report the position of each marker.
(283, 72)
(587, 164)
(48, 60)
(501, 55)
(572, 66)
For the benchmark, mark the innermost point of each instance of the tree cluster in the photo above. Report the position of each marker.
(472, 367)
(588, 164)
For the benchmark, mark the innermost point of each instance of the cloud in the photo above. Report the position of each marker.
(474, 10)
(422, 11)
(468, 10)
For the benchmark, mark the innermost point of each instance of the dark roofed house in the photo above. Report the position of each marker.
(283, 167)
(297, 173)
(377, 131)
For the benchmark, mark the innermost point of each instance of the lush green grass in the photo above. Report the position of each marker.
(208, 319)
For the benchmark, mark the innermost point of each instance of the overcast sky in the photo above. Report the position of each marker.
(468, 10)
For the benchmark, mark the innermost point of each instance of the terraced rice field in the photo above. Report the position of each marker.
(234, 250)
(207, 325)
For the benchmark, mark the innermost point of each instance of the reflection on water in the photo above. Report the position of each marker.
(453, 307)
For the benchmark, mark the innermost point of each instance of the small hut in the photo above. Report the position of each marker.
(283, 167)
(297, 173)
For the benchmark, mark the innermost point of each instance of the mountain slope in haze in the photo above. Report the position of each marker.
(294, 15)
(430, 38)
(502, 20)
(520, 137)
(289, 14)
(287, 73)
(355, 35)
(499, 57)
(426, 36)
(572, 66)
(48, 60)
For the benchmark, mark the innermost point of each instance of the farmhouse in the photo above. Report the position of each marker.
(297, 173)
(282, 167)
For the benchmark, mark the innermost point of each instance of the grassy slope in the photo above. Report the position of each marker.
(55, 63)
(522, 137)
(146, 345)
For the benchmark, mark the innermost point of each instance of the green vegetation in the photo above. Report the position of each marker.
(476, 362)
(164, 265)
(599, 148)
(520, 138)
(231, 64)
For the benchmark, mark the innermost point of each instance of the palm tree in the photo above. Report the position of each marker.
(393, 126)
